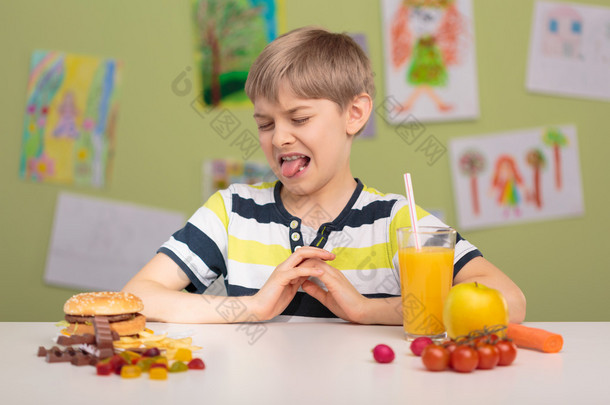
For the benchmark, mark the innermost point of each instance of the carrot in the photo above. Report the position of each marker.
(534, 338)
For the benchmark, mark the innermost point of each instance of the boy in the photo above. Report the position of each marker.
(317, 243)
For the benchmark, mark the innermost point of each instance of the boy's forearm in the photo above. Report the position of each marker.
(383, 311)
(165, 305)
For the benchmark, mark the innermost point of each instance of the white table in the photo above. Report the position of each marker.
(297, 363)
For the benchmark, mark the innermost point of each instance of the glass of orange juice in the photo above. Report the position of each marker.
(425, 259)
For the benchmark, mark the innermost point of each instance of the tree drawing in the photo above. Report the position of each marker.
(535, 158)
(230, 34)
(555, 139)
(472, 163)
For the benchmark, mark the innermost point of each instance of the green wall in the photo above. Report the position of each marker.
(162, 141)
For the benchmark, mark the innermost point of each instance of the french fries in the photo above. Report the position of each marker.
(148, 339)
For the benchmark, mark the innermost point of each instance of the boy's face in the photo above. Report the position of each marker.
(305, 142)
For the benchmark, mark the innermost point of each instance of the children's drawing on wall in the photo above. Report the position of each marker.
(430, 60)
(219, 174)
(71, 109)
(570, 50)
(229, 35)
(516, 176)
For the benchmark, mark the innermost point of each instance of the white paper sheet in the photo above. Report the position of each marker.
(98, 244)
(517, 176)
(419, 42)
(570, 50)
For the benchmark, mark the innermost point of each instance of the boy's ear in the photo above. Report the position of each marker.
(358, 112)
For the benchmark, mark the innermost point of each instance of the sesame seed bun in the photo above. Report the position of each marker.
(103, 303)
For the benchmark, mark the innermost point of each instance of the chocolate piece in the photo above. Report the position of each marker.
(106, 352)
(42, 352)
(103, 337)
(103, 334)
(87, 338)
(81, 359)
(56, 357)
(115, 335)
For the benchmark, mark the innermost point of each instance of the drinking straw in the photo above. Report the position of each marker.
(411, 200)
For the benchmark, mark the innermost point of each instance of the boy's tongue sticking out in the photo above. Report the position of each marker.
(293, 164)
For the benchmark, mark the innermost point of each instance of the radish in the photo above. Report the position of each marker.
(418, 345)
(383, 353)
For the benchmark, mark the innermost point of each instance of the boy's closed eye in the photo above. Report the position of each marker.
(264, 126)
(300, 121)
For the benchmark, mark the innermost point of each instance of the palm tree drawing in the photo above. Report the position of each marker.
(472, 163)
(535, 158)
(555, 139)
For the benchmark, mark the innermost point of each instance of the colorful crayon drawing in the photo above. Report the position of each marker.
(569, 51)
(521, 180)
(507, 184)
(556, 140)
(536, 160)
(219, 174)
(472, 163)
(70, 116)
(429, 59)
(229, 34)
(563, 34)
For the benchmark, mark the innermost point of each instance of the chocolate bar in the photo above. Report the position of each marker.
(87, 338)
(103, 336)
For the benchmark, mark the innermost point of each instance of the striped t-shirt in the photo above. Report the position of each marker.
(244, 232)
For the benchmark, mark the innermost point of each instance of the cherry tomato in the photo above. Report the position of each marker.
(435, 357)
(450, 345)
(489, 356)
(508, 352)
(464, 359)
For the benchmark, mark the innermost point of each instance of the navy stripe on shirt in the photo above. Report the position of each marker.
(195, 286)
(203, 246)
(263, 214)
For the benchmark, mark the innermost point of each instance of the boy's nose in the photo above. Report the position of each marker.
(282, 136)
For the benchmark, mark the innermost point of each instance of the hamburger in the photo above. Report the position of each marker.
(121, 308)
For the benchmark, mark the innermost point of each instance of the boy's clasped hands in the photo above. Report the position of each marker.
(340, 296)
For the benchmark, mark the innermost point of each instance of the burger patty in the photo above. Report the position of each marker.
(89, 319)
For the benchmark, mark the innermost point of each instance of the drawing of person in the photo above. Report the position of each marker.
(506, 184)
(67, 117)
(427, 32)
(563, 33)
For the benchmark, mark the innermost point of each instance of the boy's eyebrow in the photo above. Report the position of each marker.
(289, 111)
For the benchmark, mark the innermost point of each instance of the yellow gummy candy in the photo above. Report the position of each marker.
(158, 373)
(183, 355)
(130, 371)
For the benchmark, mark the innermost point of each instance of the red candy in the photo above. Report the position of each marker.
(104, 368)
(196, 364)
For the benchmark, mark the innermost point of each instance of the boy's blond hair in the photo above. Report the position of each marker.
(316, 64)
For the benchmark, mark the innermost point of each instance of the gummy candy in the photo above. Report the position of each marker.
(178, 366)
(158, 373)
(160, 360)
(152, 352)
(130, 371)
(159, 365)
(183, 355)
(117, 363)
(130, 357)
(196, 364)
(145, 363)
(104, 368)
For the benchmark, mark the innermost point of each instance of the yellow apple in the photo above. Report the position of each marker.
(473, 306)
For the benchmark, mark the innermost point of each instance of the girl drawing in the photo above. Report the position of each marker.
(428, 33)
(506, 184)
